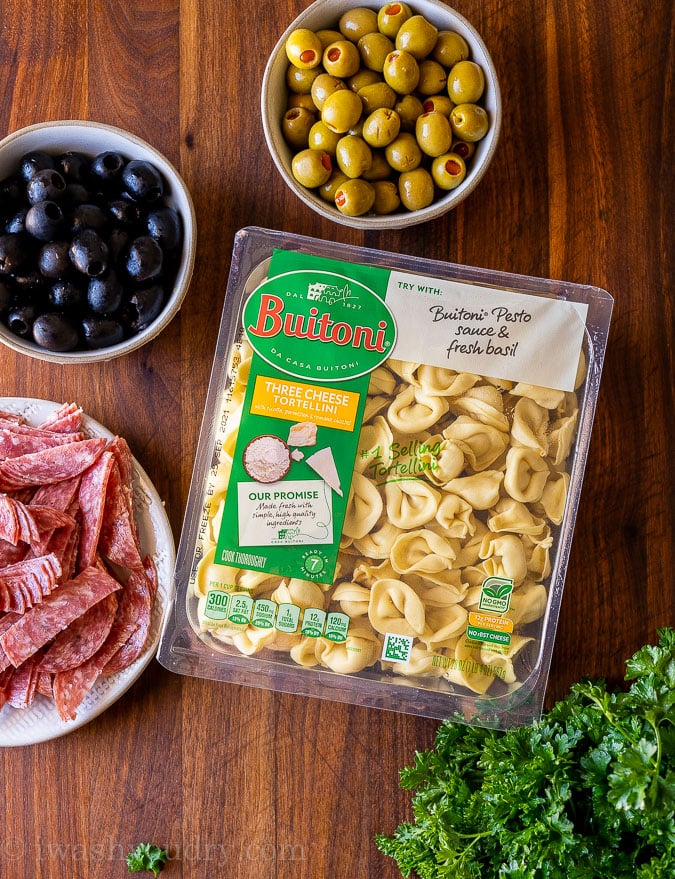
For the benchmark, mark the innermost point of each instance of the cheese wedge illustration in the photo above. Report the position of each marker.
(322, 462)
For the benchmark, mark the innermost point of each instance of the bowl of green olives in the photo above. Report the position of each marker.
(97, 241)
(381, 115)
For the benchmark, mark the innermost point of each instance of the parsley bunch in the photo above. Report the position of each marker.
(147, 857)
(587, 792)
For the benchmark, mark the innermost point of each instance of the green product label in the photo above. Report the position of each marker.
(264, 612)
(313, 621)
(495, 595)
(217, 603)
(488, 636)
(337, 625)
(288, 618)
(318, 327)
(241, 607)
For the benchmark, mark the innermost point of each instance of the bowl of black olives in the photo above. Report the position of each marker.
(381, 115)
(97, 241)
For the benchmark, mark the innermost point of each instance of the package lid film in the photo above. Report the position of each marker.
(386, 481)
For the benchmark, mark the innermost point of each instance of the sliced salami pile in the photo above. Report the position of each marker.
(76, 593)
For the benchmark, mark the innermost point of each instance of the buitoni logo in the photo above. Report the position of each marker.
(316, 324)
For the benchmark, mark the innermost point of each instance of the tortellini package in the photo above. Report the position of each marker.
(387, 479)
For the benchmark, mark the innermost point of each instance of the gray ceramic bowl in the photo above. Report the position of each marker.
(326, 14)
(92, 138)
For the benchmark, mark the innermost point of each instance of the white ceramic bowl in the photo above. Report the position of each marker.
(326, 14)
(92, 138)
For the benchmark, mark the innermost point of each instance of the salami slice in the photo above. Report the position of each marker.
(66, 419)
(39, 625)
(26, 583)
(92, 498)
(58, 495)
(82, 638)
(6, 622)
(50, 465)
(22, 686)
(71, 687)
(24, 441)
(138, 592)
(118, 540)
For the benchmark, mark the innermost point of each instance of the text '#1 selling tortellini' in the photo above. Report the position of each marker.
(451, 512)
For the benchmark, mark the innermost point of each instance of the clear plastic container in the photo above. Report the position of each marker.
(386, 480)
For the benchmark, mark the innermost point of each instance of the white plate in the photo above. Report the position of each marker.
(41, 722)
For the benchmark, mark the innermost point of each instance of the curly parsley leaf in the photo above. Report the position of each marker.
(588, 792)
(147, 857)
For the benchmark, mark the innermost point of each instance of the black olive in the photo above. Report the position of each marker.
(142, 181)
(89, 253)
(53, 260)
(45, 185)
(76, 193)
(101, 332)
(20, 319)
(17, 222)
(44, 220)
(13, 253)
(55, 332)
(88, 216)
(106, 167)
(34, 161)
(74, 166)
(143, 259)
(5, 297)
(146, 304)
(164, 225)
(118, 241)
(104, 294)
(66, 295)
(11, 190)
(124, 212)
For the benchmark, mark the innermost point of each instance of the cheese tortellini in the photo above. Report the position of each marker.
(482, 492)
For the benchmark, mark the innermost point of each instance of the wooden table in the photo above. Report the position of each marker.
(247, 783)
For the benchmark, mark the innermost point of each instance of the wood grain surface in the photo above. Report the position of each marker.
(240, 782)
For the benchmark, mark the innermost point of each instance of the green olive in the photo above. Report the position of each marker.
(295, 127)
(304, 101)
(381, 127)
(375, 95)
(341, 59)
(341, 110)
(354, 197)
(448, 170)
(358, 21)
(469, 122)
(418, 36)
(408, 107)
(320, 137)
(325, 85)
(401, 71)
(303, 48)
(387, 199)
(373, 49)
(363, 78)
(466, 82)
(441, 103)
(391, 16)
(450, 48)
(353, 155)
(328, 36)
(433, 77)
(416, 189)
(380, 169)
(300, 81)
(463, 148)
(403, 154)
(327, 190)
(433, 133)
(311, 167)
